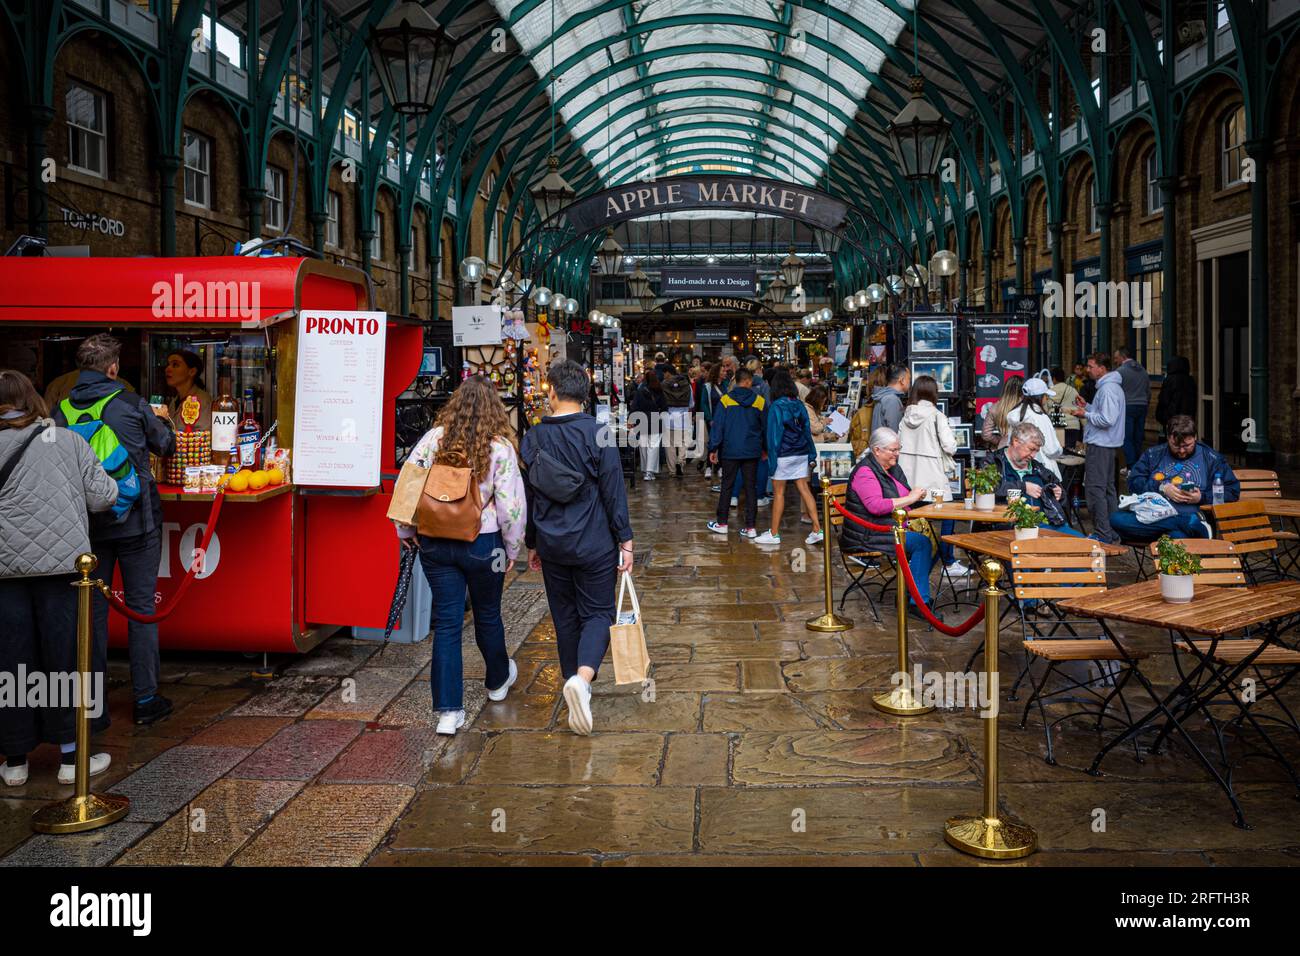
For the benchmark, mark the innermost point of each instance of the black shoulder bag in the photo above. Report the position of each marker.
(553, 478)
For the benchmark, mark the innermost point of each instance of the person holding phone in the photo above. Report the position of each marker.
(578, 534)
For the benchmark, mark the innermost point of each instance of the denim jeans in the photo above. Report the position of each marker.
(1179, 526)
(450, 567)
(920, 560)
(1135, 423)
(139, 557)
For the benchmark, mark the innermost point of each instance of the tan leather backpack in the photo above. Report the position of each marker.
(450, 504)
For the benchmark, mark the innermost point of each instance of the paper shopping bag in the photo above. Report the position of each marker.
(627, 639)
(406, 493)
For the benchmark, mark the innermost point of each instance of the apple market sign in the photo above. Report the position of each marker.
(712, 303)
(92, 222)
(741, 193)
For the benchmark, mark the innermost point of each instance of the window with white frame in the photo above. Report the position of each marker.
(87, 112)
(273, 183)
(1094, 225)
(377, 243)
(410, 253)
(197, 150)
(333, 203)
(494, 240)
(1232, 147)
(1154, 196)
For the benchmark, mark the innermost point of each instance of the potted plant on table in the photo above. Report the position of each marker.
(984, 482)
(1177, 566)
(1025, 518)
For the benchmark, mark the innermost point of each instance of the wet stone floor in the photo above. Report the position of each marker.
(755, 743)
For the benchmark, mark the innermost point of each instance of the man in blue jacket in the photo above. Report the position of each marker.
(578, 533)
(133, 542)
(737, 442)
(1183, 470)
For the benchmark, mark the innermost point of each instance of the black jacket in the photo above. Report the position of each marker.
(140, 431)
(590, 527)
(1178, 393)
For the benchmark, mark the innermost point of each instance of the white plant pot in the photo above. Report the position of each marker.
(1024, 534)
(986, 502)
(1176, 588)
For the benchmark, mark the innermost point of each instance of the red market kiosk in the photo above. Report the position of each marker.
(288, 565)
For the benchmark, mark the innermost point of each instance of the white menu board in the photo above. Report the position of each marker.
(337, 418)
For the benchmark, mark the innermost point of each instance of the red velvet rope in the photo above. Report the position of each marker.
(856, 520)
(901, 554)
(937, 624)
(139, 618)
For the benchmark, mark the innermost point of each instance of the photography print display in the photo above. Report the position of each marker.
(964, 435)
(933, 335)
(943, 371)
(337, 417)
(835, 460)
(1001, 352)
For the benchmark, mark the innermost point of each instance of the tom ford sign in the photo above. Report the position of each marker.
(742, 193)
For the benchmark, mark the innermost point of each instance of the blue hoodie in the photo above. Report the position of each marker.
(788, 432)
(1158, 465)
(738, 424)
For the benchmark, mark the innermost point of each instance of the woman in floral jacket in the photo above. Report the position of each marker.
(472, 430)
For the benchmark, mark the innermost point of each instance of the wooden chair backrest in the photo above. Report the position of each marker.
(1220, 562)
(1245, 524)
(1057, 567)
(1259, 483)
(838, 493)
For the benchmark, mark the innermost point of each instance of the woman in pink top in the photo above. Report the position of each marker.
(876, 487)
(472, 430)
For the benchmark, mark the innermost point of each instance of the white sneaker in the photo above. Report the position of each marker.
(814, 537)
(98, 764)
(764, 501)
(735, 502)
(13, 776)
(500, 692)
(750, 533)
(805, 520)
(768, 537)
(450, 721)
(647, 477)
(958, 570)
(577, 695)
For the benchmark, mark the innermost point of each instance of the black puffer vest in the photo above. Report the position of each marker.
(893, 484)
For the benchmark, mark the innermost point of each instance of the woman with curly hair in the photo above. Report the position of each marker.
(472, 431)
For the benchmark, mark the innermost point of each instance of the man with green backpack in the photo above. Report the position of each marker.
(122, 429)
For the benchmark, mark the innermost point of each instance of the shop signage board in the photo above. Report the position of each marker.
(712, 303)
(1001, 352)
(739, 193)
(677, 281)
(337, 422)
(712, 332)
(475, 325)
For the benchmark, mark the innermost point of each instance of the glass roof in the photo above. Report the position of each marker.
(698, 118)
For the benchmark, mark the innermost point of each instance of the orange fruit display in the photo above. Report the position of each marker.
(259, 480)
(276, 476)
(240, 480)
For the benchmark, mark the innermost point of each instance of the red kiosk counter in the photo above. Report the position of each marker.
(294, 342)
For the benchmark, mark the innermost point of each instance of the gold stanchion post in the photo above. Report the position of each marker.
(83, 810)
(902, 700)
(830, 621)
(989, 835)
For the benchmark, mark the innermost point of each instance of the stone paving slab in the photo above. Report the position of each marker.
(16, 820)
(389, 755)
(362, 695)
(696, 760)
(171, 780)
(215, 824)
(433, 858)
(328, 825)
(737, 712)
(709, 676)
(94, 848)
(837, 756)
(299, 751)
(336, 657)
(250, 732)
(665, 711)
(290, 696)
(550, 819)
(521, 757)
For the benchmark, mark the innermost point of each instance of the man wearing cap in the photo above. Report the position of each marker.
(1031, 409)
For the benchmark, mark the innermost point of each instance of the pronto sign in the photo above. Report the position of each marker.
(741, 193)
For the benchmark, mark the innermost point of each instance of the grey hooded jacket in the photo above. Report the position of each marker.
(44, 521)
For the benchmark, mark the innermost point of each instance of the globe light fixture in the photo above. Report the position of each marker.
(894, 284)
(472, 270)
(570, 306)
(944, 263)
(862, 298)
(876, 292)
(542, 296)
(916, 276)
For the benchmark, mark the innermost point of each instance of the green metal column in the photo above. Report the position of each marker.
(318, 220)
(1168, 265)
(1104, 211)
(256, 197)
(403, 277)
(39, 119)
(1058, 276)
(1259, 449)
(169, 164)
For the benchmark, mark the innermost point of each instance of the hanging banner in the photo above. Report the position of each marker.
(677, 281)
(740, 193)
(1001, 352)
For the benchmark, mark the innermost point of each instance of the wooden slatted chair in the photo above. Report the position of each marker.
(1245, 524)
(1262, 483)
(859, 564)
(1047, 569)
